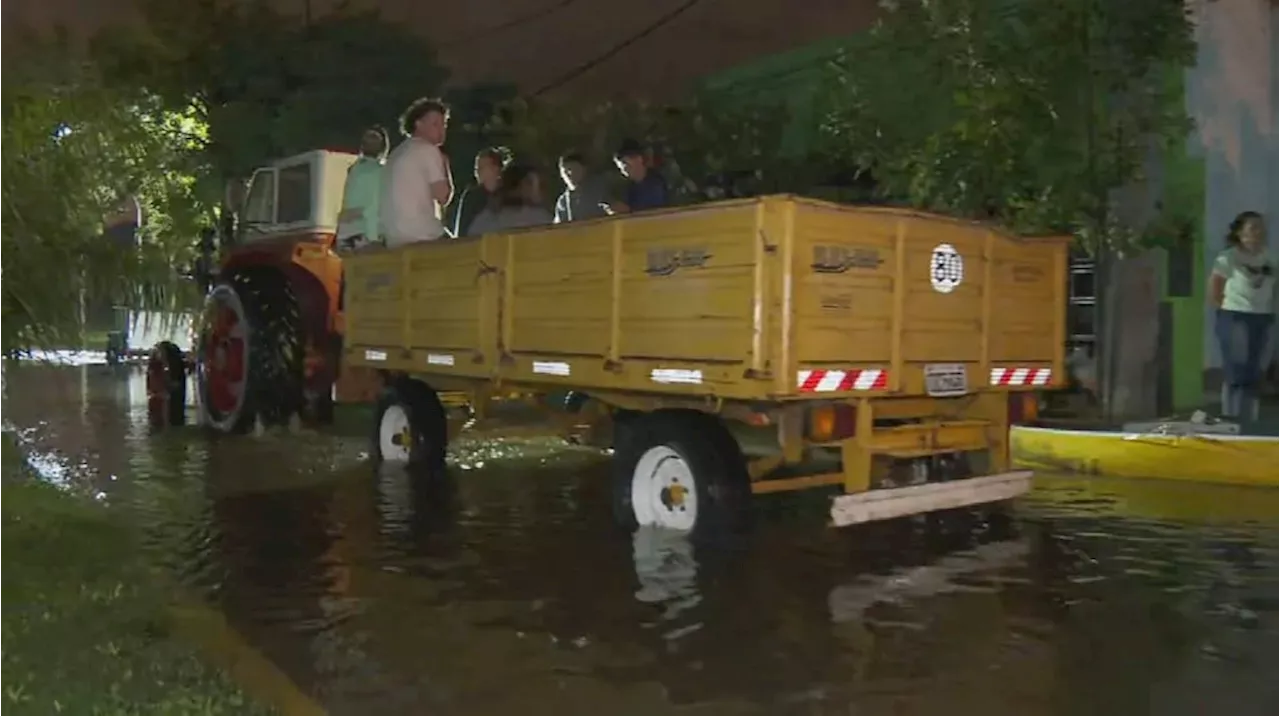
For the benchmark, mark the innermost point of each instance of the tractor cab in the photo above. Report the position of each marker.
(298, 195)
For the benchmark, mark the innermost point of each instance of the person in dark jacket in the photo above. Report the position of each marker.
(488, 172)
(582, 197)
(646, 188)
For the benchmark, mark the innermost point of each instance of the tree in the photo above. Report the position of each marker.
(269, 85)
(74, 147)
(1034, 113)
(1030, 112)
(705, 140)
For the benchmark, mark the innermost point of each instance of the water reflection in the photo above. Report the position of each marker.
(668, 575)
(850, 602)
(384, 591)
(62, 357)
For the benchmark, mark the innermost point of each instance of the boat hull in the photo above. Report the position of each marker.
(1222, 459)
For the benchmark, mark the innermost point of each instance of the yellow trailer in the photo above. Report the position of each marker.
(879, 350)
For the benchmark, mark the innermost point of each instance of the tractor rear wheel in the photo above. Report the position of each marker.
(250, 352)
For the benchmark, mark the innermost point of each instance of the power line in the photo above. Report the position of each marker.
(513, 22)
(609, 54)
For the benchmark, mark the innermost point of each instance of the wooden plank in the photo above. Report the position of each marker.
(877, 505)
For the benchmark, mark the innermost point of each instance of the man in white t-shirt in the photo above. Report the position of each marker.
(417, 184)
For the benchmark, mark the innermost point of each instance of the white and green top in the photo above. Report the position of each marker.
(360, 198)
(1251, 280)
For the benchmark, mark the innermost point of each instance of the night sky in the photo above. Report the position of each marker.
(547, 38)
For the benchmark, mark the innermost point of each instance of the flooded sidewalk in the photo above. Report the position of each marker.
(502, 586)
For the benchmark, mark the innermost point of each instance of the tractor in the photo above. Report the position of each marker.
(268, 341)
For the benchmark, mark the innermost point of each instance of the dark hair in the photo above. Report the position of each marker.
(498, 155)
(510, 191)
(382, 135)
(1238, 224)
(629, 148)
(572, 156)
(418, 109)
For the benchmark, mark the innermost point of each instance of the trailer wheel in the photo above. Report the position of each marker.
(680, 471)
(409, 426)
(250, 352)
(166, 386)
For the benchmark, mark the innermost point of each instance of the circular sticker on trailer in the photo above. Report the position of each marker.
(946, 268)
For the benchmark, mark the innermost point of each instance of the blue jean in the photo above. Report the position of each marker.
(1242, 339)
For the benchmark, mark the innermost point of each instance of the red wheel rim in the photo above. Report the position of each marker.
(223, 358)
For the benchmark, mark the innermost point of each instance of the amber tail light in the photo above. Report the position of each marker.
(828, 423)
(1024, 408)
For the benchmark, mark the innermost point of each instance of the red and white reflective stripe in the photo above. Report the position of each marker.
(1021, 376)
(834, 381)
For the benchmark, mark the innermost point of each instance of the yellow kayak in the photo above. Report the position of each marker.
(1222, 459)
(1157, 500)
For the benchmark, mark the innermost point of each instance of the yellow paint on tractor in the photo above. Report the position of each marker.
(755, 310)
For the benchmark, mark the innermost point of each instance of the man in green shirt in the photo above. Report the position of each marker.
(358, 220)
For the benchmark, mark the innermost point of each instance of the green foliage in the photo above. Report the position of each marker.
(75, 145)
(83, 630)
(471, 109)
(1031, 112)
(708, 135)
(269, 86)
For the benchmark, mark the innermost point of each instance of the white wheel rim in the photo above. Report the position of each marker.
(223, 421)
(663, 490)
(394, 437)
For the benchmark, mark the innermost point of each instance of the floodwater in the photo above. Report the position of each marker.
(503, 587)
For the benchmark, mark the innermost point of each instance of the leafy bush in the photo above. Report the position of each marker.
(1030, 112)
(75, 147)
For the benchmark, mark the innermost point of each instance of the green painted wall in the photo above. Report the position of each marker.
(1184, 176)
(1184, 187)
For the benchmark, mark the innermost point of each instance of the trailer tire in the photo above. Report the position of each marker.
(409, 426)
(166, 386)
(681, 471)
(269, 371)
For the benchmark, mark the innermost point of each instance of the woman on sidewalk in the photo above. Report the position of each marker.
(1243, 290)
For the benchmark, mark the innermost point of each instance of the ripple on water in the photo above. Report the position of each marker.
(382, 590)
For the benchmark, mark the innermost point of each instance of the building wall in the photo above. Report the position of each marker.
(1231, 95)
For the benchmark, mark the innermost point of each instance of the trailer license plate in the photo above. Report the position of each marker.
(945, 379)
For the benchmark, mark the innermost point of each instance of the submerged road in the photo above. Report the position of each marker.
(503, 587)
